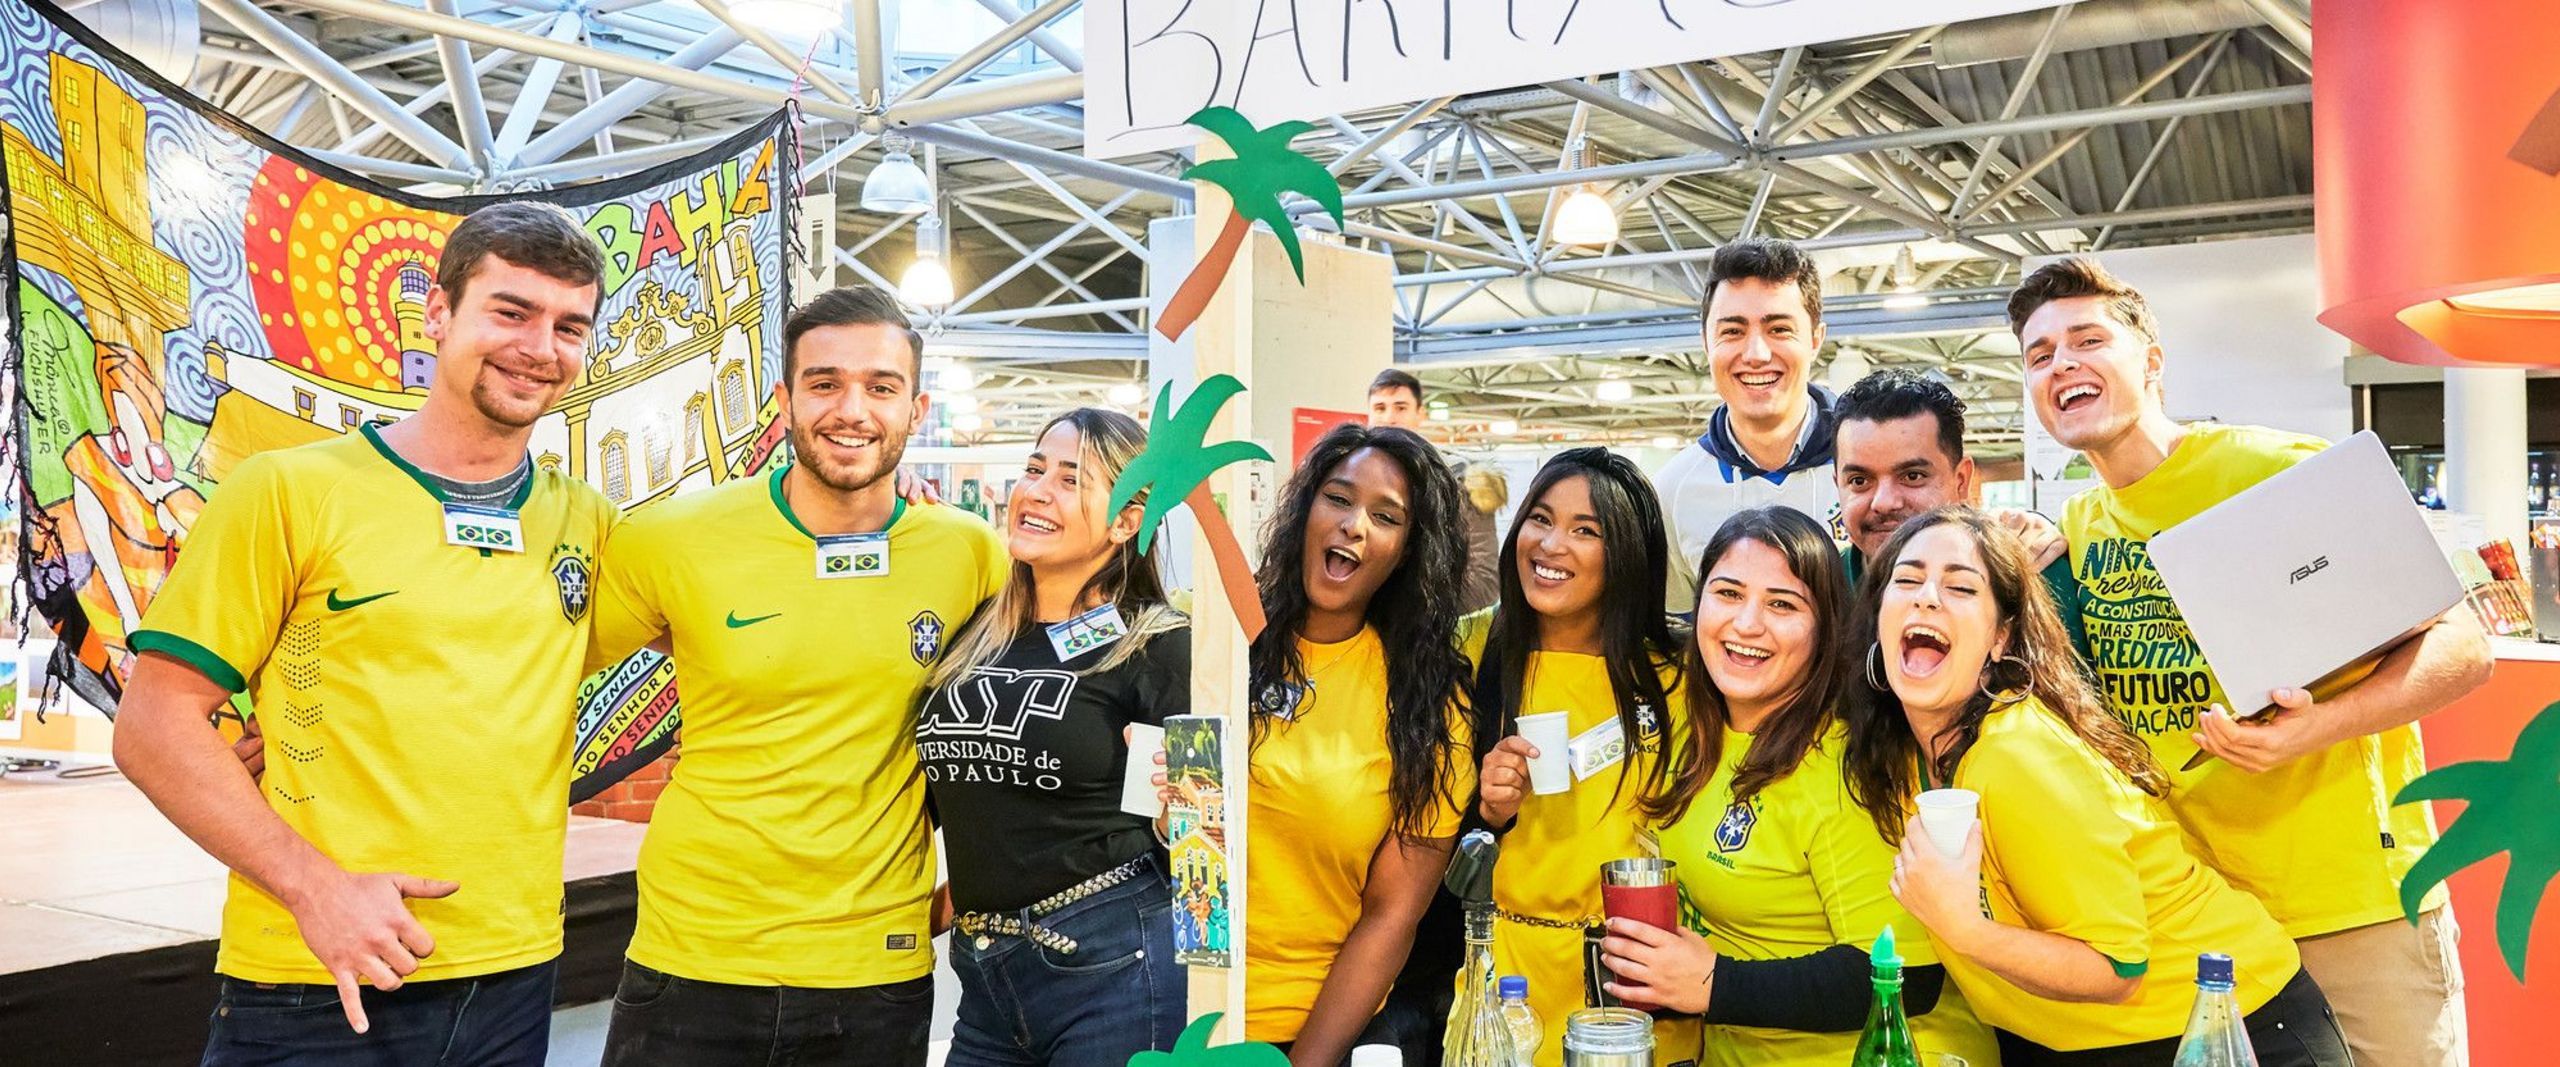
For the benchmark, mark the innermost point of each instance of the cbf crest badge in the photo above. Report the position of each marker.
(924, 637)
(1734, 831)
(574, 573)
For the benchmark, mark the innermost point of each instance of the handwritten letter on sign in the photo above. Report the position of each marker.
(1153, 63)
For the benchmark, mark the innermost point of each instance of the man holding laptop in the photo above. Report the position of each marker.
(2295, 806)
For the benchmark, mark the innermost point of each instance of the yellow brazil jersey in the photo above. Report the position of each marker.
(2317, 839)
(790, 848)
(417, 698)
(1320, 810)
(1551, 856)
(2072, 848)
(1793, 871)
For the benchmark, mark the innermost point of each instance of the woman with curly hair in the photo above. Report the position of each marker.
(1358, 762)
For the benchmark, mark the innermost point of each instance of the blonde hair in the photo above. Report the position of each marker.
(1106, 443)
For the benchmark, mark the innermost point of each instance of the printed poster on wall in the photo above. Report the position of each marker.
(185, 291)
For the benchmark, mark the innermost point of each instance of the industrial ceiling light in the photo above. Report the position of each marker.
(1126, 393)
(1438, 411)
(896, 186)
(1586, 217)
(1616, 391)
(1906, 284)
(967, 423)
(804, 19)
(1668, 443)
(1503, 427)
(927, 282)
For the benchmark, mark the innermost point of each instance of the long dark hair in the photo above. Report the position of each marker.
(1415, 612)
(1884, 755)
(1636, 640)
(1782, 739)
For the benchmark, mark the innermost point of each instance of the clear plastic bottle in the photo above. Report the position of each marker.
(1521, 1019)
(1476, 1036)
(2216, 1034)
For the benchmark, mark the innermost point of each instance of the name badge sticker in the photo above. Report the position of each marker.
(853, 556)
(1092, 631)
(1598, 748)
(490, 529)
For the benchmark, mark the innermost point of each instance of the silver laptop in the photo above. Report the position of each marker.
(2317, 570)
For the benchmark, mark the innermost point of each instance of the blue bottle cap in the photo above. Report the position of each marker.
(1513, 987)
(2213, 968)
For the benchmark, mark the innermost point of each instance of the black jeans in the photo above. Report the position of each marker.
(493, 1020)
(2295, 1029)
(661, 1019)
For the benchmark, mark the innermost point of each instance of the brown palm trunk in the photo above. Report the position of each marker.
(1202, 283)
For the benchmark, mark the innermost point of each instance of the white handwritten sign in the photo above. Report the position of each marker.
(1152, 63)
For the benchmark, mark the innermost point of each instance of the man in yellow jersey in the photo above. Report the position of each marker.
(787, 877)
(2296, 807)
(407, 608)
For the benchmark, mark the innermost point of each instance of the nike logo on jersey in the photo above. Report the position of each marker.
(337, 603)
(736, 623)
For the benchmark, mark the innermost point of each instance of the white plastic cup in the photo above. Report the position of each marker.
(1949, 814)
(1551, 770)
(1377, 1056)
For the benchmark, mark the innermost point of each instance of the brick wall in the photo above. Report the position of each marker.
(633, 798)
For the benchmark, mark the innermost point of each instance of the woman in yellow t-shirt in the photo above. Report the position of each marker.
(1358, 770)
(1580, 630)
(2073, 914)
(1788, 877)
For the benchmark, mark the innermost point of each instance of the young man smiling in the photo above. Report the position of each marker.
(786, 879)
(1771, 440)
(2296, 808)
(408, 608)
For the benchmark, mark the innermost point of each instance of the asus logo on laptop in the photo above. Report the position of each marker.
(2307, 570)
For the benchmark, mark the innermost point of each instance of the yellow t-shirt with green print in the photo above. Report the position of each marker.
(1795, 870)
(790, 848)
(418, 698)
(2317, 840)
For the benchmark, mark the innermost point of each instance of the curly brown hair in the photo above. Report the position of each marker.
(1883, 756)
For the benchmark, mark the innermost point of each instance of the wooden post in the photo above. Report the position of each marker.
(1292, 345)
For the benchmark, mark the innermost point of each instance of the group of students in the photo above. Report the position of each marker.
(856, 669)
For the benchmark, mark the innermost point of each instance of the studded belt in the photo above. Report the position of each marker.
(1509, 916)
(986, 926)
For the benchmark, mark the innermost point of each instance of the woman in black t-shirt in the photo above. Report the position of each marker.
(1063, 938)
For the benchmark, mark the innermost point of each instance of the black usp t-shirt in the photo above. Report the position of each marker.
(1024, 758)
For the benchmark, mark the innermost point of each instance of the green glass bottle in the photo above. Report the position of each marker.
(1886, 1042)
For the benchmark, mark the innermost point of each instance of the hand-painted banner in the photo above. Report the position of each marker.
(185, 291)
(1154, 62)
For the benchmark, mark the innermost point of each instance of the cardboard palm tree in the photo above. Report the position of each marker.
(1192, 1050)
(1175, 468)
(1262, 169)
(2510, 805)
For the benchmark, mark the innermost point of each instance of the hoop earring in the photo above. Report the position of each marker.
(2002, 697)
(1875, 668)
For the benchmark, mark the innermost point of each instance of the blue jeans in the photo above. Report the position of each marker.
(1120, 993)
(494, 1020)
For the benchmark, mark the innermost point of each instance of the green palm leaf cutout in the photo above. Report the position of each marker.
(2510, 805)
(1192, 1050)
(1178, 458)
(1263, 168)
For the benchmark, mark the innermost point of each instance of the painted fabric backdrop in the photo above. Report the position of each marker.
(185, 291)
